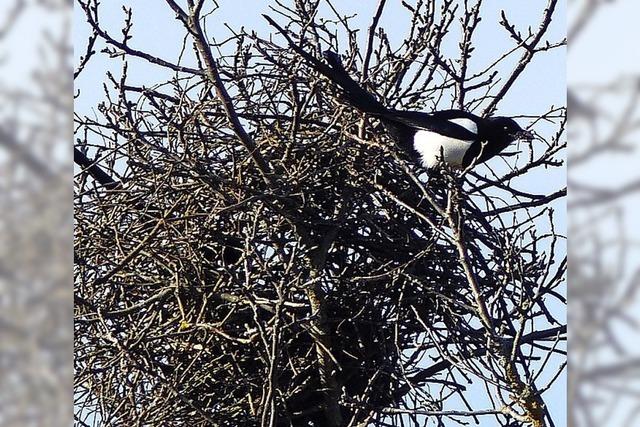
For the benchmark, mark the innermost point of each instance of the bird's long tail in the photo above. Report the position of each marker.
(353, 91)
(355, 94)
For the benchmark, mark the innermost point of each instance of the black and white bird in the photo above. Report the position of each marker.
(456, 137)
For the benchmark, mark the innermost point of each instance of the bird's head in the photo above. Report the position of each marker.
(509, 129)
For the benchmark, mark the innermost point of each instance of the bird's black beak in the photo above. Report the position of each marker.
(524, 135)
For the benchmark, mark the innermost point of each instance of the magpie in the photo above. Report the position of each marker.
(455, 137)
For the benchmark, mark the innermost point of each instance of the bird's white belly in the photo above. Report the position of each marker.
(431, 146)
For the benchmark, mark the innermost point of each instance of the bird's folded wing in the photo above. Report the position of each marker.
(463, 128)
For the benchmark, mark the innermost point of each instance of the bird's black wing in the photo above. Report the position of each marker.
(439, 122)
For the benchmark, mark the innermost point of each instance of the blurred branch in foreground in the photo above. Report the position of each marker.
(604, 241)
(35, 216)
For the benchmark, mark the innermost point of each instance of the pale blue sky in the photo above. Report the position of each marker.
(600, 55)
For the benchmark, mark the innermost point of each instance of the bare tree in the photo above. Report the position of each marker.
(251, 250)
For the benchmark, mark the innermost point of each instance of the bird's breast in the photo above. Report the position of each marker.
(431, 146)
